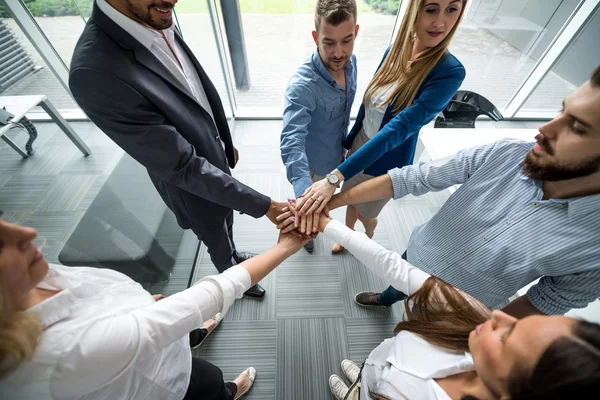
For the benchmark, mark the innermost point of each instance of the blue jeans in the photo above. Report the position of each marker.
(390, 295)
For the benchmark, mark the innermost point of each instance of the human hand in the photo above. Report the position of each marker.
(280, 214)
(158, 297)
(315, 198)
(291, 242)
(306, 225)
(236, 156)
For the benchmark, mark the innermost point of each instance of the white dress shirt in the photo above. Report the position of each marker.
(105, 337)
(155, 42)
(405, 366)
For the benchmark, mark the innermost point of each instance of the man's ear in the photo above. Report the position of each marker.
(356, 30)
(315, 37)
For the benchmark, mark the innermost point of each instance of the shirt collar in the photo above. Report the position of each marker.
(318, 63)
(577, 206)
(141, 33)
(57, 307)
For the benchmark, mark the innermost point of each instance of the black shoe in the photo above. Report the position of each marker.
(243, 256)
(310, 246)
(255, 291)
(197, 336)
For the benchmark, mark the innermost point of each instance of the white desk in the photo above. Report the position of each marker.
(444, 142)
(21, 105)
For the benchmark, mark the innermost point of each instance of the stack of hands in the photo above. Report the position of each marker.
(304, 217)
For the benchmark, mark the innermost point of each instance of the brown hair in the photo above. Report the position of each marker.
(19, 335)
(396, 69)
(595, 79)
(442, 315)
(568, 369)
(334, 12)
(445, 316)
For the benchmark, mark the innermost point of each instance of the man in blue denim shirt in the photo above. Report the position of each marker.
(318, 99)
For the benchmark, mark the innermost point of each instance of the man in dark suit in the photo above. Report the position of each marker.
(137, 80)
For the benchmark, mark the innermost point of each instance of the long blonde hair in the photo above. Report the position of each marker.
(396, 68)
(19, 335)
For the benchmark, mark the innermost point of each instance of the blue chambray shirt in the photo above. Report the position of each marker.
(315, 121)
(496, 233)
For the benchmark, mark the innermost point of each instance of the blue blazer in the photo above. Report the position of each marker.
(394, 145)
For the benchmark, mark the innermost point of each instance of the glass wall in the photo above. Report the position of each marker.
(500, 41)
(276, 38)
(202, 30)
(572, 69)
(37, 78)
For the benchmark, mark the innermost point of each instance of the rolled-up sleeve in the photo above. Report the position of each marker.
(558, 294)
(445, 172)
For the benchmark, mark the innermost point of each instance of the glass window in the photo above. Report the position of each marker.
(277, 39)
(500, 41)
(24, 72)
(574, 67)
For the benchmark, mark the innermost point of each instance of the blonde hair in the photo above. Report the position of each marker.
(397, 68)
(19, 335)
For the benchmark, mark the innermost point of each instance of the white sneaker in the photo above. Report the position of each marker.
(351, 370)
(338, 387)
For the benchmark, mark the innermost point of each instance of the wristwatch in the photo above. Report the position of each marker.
(334, 179)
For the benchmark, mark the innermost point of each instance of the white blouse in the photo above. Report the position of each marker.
(405, 366)
(105, 337)
(374, 112)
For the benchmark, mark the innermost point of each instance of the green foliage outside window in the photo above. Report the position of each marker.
(384, 6)
(54, 8)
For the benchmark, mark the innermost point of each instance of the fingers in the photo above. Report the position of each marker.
(305, 206)
(289, 228)
(285, 215)
(287, 223)
(315, 227)
(322, 206)
(309, 223)
(313, 207)
(303, 222)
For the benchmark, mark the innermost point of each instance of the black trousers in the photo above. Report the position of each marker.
(207, 383)
(218, 239)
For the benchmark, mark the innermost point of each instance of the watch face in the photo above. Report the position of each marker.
(333, 178)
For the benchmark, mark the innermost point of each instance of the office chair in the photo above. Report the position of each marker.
(463, 110)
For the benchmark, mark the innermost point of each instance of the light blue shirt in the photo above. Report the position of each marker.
(495, 234)
(315, 121)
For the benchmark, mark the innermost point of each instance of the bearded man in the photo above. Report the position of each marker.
(524, 211)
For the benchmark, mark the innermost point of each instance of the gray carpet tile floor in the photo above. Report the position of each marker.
(297, 335)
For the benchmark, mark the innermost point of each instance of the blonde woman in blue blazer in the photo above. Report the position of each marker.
(416, 80)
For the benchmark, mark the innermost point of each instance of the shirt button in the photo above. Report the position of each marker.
(507, 222)
(535, 204)
(484, 238)
(464, 251)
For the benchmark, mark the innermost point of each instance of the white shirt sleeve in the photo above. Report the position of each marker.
(386, 264)
(122, 340)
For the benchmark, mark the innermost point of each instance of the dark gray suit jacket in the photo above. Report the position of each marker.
(129, 94)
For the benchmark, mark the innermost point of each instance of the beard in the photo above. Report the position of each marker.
(539, 169)
(147, 18)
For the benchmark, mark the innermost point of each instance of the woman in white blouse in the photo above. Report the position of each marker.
(74, 333)
(450, 346)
